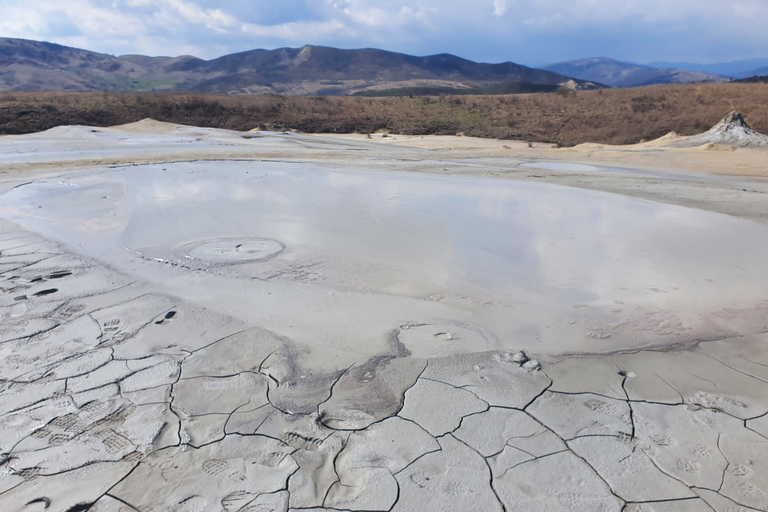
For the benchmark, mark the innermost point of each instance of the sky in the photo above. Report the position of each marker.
(531, 32)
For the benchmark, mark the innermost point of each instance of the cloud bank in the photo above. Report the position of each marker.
(528, 31)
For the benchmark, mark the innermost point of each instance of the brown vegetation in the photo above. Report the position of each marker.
(615, 116)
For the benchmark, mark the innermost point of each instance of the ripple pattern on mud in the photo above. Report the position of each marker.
(230, 251)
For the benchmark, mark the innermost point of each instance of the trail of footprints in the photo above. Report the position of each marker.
(117, 439)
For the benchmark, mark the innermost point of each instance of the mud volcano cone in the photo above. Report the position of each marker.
(733, 124)
(732, 130)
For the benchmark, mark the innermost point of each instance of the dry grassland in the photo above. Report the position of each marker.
(611, 116)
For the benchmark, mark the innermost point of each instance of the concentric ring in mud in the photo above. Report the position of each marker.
(443, 339)
(230, 251)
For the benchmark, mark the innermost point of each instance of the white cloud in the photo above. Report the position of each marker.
(499, 8)
(295, 32)
(526, 27)
(579, 13)
(34, 18)
(214, 19)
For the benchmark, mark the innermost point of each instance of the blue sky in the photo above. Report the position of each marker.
(533, 32)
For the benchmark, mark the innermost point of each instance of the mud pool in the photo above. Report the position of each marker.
(337, 259)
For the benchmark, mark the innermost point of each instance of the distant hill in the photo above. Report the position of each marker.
(492, 90)
(759, 73)
(736, 68)
(33, 65)
(759, 79)
(624, 74)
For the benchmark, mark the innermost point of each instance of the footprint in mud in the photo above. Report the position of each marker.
(29, 474)
(701, 421)
(40, 433)
(166, 318)
(715, 401)
(420, 479)
(703, 452)
(134, 457)
(66, 422)
(601, 407)
(741, 470)
(269, 459)
(296, 440)
(72, 310)
(112, 325)
(455, 488)
(215, 467)
(689, 466)
(662, 440)
(234, 472)
(601, 333)
(43, 293)
(117, 417)
(237, 500)
(58, 439)
(113, 443)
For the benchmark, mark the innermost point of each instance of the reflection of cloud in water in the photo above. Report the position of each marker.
(591, 245)
(663, 254)
(419, 235)
(244, 193)
(164, 193)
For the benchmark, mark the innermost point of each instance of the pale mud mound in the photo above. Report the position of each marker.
(662, 142)
(149, 126)
(732, 131)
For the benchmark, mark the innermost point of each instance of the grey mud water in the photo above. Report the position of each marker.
(524, 265)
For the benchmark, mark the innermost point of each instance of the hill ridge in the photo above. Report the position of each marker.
(616, 73)
(310, 69)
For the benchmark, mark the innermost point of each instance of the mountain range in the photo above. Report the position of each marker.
(615, 73)
(319, 70)
(736, 69)
(33, 65)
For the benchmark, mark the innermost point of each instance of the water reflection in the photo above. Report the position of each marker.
(554, 255)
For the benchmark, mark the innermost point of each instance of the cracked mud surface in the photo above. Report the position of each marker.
(116, 396)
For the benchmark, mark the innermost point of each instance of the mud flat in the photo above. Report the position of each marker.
(256, 322)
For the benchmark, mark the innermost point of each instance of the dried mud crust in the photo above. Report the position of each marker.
(113, 399)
